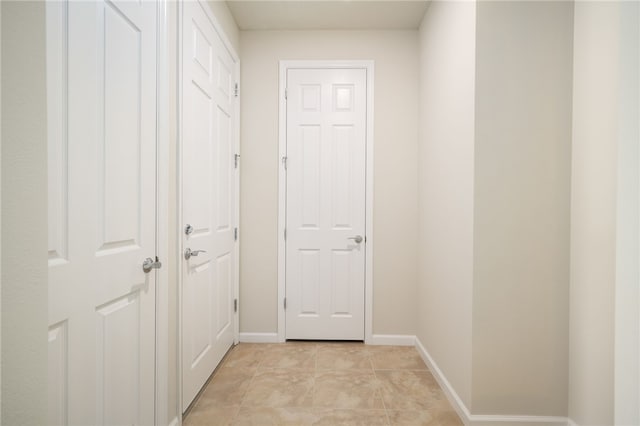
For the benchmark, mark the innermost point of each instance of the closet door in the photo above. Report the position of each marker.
(101, 64)
(209, 199)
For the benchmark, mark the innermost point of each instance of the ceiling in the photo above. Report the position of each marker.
(327, 14)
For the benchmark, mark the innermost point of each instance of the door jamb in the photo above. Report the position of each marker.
(178, 226)
(285, 65)
(162, 220)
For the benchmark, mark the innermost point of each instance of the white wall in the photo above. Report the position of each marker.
(446, 164)
(521, 217)
(395, 170)
(494, 169)
(593, 213)
(627, 298)
(227, 23)
(604, 322)
(24, 214)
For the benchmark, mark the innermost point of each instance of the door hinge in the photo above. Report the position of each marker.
(285, 303)
(236, 160)
(285, 234)
(284, 162)
(235, 305)
(286, 93)
(235, 234)
(236, 90)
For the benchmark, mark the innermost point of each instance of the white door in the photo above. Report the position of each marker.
(101, 65)
(325, 213)
(208, 200)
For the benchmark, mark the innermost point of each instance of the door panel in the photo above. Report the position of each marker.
(102, 194)
(326, 155)
(209, 199)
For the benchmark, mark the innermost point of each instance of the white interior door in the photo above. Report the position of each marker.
(208, 199)
(325, 203)
(101, 64)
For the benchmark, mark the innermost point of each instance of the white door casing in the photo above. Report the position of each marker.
(101, 59)
(326, 145)
(209, 177)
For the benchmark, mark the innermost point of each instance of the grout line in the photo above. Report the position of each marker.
(378, 383)
(244, 395)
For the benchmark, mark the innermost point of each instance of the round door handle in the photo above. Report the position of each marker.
(358, 239)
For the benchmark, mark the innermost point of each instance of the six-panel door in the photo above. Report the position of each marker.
(208, 205)
(326, 157)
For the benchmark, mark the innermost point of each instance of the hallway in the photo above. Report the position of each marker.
(322, 384)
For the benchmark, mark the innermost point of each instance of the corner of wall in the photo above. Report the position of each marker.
(445, 191)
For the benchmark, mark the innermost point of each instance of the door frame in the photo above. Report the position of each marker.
(368, 66)
(179, 193)
(162, 217)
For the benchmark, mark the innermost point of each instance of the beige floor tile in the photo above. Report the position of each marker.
(280, 388)
(245, 355)
(396, 358)
(424, 418)
(449, 418)
(275, 416)
(409, 390)
(227, 387)
(290, 355)
(211, 416)
(342, 417)
(411, 418)
(347, 389)
(308, 383)
(347, 357)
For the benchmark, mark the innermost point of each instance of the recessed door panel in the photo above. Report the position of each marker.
(341, 283)
(342, 153)
(198, 154)
(118, 335)
(224, 171)
(309, 189)
(202, 51)
(224, 269)
(309, 263)
(120, 151)
(200, 304)
(57, 115)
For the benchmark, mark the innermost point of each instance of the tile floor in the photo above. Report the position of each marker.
(311, 383)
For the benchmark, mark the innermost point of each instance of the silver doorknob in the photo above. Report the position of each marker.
(188, 253)
(150, 264)
(358, 239)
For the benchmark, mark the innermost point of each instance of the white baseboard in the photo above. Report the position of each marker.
(483, 420)
(452, 395)
(393, 340)
(258, 338)
(571, 423)
(498, 420)
(174, 422)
